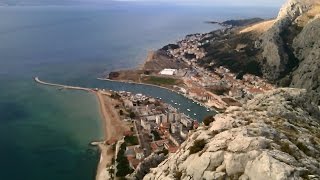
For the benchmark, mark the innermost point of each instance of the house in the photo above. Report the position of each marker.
(176, 139)
(133, 162)
(139, 153)
(146, 125)
(161, 119)
(128, 103)
(186, 122)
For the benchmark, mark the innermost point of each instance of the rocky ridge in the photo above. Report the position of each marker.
(290, 48)
(273, 136)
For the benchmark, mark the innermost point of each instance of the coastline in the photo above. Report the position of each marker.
(113, 129)
(162, 87)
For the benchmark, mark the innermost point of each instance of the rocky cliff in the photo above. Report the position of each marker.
(290, 48)
(273, 136)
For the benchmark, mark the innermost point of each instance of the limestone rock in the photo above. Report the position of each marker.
(273, 136)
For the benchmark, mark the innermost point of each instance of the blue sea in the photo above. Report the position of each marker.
(44, 132)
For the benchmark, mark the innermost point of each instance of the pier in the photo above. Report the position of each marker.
(62, 86)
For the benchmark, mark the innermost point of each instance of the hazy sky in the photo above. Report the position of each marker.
(220, 2)
(276, 3)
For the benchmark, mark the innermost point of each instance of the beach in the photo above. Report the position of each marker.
(114, 128)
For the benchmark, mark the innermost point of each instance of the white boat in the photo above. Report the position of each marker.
(208, 110)
(188, 110)
(195, 114)
(192, 102)
(179, 104)
(175, 103)
(171, 100)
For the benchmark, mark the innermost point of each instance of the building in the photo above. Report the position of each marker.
(146, 125)
(168, 72)
(139, 153)
(173, 117)
(184, 134)
(175, 127)
(128, 103)
(176, 139)
(161, 119)
(186, 122)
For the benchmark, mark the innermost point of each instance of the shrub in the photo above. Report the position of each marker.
(285, 147)
(132, 115)
(304, 148)
(198, 145)
(177, 175)
(131, 140)
(123, 167)
(207, 120)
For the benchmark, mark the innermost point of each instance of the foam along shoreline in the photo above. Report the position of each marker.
(113, 127)
(146, 84)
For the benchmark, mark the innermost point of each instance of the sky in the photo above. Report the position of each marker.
(276, 3)
(219, 2)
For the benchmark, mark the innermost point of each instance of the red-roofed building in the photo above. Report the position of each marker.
(171, 147)
(133, 162)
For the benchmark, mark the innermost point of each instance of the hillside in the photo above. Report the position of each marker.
(284, 50)
(273, 136)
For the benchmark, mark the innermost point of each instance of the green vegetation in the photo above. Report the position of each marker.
(198, 145)
(160, 80)
(164, 151)
(121, 112)
(132, 115)
(131, 140)
(156, 135)
(115, 96)
(177, 175)
(304, 148)
(219, 90)
(207, 120)
(123, 167)
(285, 147)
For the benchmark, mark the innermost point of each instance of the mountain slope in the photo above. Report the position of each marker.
(273, 136)
(290, 48)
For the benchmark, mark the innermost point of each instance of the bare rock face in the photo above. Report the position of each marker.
(307, 50)
(273, 136)
(275, 55)
(150, 162)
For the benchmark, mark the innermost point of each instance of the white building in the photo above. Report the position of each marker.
(168, 72)
(161, 119)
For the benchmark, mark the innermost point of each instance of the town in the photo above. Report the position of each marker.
(219, 88)
(156, 127)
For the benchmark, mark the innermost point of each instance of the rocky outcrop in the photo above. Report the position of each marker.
(150, 162)
(307, 50)
(273, 136)
(275, 54)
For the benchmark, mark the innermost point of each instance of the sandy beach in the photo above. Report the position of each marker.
(114, 129)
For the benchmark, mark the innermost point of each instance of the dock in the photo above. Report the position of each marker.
(62, 86)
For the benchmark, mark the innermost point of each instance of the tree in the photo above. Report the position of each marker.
(132, 115)
(207, 120)
(121, 112)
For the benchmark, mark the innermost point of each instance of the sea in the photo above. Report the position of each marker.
(45, 132)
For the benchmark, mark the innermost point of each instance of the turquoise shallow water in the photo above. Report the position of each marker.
(44, 132)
